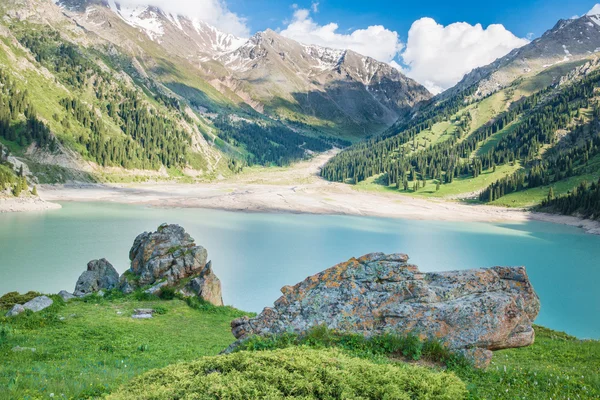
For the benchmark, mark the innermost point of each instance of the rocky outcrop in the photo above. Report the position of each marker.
(473, 311)
(100, 275)
(66, 296)
(206, 286)
(170, 257)
(37, 304)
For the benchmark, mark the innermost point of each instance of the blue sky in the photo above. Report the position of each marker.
(520, 17)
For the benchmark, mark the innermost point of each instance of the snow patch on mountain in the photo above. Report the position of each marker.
(142, 17)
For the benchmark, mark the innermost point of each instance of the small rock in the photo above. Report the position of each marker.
(38, 304)
(16, 310)
(141, 316)
(100, 293)
(19, 348)
(66, 296)
(139, 311)
(119, 313)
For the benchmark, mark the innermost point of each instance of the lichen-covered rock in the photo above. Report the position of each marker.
(485, 309)
(100, 275)
(170, 257)
(206, 286)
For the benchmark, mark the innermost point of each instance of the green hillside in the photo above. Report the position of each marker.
(508, 148)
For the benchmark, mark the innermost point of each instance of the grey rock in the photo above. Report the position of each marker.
(139, 311)
(100, 275)
(66, 296)
(470, 311)
(18, 349)
(156, 288)
(38, 304)
(16, 310)
(169, 253)
(165, 258)
(206, 286)
(141, 316)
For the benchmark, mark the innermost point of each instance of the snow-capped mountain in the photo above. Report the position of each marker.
(325, 83)
(275, 75)
(568, 41)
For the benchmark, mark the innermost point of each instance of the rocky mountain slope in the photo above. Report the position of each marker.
(332, 89)
(568, 41)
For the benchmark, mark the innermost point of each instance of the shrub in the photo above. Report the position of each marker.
(12, 298)
(141, 295)
(167, 293)
(409, 346)
(160, 310)
(298, 372)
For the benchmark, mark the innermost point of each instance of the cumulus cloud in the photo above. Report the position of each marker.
(213, 12)
(375, 41)
(439, 56)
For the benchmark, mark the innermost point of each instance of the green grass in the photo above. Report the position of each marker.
(493, 140)
(460, 186)
(94, 349)
(85, 349)
(530, 197)
(557, 366)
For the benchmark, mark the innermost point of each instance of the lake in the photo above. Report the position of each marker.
(254, 254)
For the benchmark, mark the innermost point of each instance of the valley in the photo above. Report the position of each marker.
(236, 197)
(299, 189)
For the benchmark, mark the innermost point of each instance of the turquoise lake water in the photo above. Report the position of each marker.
(254, 255)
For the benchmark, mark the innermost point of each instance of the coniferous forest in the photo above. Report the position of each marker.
(529, 136)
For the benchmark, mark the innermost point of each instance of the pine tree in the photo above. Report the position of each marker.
(551, 194)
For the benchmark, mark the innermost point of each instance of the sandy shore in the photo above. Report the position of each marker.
(23, 204)
(298, 190)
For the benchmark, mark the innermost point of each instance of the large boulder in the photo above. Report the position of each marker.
(170, 257)
(471, 311)
(36, 304)
(100, 275)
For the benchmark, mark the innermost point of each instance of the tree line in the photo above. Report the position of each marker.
(527, 126)
(583, 201)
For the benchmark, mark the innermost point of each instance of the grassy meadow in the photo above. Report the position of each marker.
(91, 348)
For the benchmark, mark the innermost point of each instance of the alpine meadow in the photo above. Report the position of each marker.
(315, 200)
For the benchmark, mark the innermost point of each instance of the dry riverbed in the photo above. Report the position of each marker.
(297, 190)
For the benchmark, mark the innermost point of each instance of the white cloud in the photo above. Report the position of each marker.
(439, 56)
(213, 12)
(595, 10)
(375, 41)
